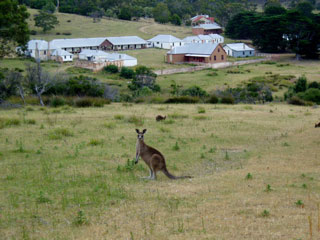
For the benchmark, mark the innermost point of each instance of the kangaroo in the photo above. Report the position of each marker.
(160, 118)
(152, 157)
(317, 125)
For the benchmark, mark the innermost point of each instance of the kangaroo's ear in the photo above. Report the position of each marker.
(144, 131)
(137, 130)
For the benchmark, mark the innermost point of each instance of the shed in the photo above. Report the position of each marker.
(124, 43)
(239, 50)
(62, 55)
(164, 41)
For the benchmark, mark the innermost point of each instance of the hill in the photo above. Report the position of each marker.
(83, 27)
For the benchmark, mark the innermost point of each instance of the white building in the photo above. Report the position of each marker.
(76, 45)
(38, 49)
(211, 38)
(101, 56)
(61, 55)
(239, 50)
(164, 41)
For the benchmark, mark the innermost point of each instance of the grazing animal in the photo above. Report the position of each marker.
(152, 157)
(317, 125)
(160, 118)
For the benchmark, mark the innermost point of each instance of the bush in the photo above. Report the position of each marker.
(83, 102)
(67, 33)
(312, 95)
(33, 32)
(183, 99)
(111, 69)
(314, 85)
(301, 85)
(227, 99)
(57, 101)
(213, 99)
(296, 101)
(194, 91)
(127, 73)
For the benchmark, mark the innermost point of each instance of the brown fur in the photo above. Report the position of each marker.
(317, 125)
(160, 118)
(152, 157)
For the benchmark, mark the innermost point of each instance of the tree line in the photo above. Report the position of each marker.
(278, 29)
(174, 11)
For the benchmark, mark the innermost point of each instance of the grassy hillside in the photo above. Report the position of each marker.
(65, 173)
(83, 27)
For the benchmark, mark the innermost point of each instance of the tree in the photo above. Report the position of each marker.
(125, 13)
(13, 25)
(46, 21)
(161, 13)
(241, 25)
(49, 7)
(37, 80)
(175, 19)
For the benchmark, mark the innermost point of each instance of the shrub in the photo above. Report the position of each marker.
(58, 133)
(213, 99)
(227, 99)
(194, 91)
(83, 102)
(57, 101)
(9, 122)
(30, 121)
(67, 33)
(111, 69)
(314, 85)
(312, 95)
(296, 101)
(183, 99)
(127, 73)
(33, 32)
(138, 121)
(301, 85)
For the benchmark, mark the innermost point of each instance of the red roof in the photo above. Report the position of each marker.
(211, 19)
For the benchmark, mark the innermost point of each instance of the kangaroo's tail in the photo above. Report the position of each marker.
(169, 175)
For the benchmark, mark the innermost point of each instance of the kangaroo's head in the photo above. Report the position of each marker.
(140, 134)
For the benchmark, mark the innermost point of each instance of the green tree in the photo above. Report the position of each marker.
(161, 13)
(46, 21)
(13, 25)
(125, 13)
(49, 7)
(175, 19)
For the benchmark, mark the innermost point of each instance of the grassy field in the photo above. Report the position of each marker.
(65, 173)
(84, 27)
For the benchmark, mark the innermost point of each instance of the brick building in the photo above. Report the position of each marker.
(206, 29)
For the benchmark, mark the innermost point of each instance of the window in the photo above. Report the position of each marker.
(242, 53)
(218, 49)
(215, 58)
(222, 57)
(44, 52)
(65, 57)
(250, 52)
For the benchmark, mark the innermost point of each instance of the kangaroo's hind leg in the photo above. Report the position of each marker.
(155, 165)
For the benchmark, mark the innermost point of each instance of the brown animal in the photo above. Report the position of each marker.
(152, 157)
(160, 118)
(317, 125)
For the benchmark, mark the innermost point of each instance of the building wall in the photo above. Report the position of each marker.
(197, 31)
(218, 55)
(209, 31)
(245, 53)
(175, 58)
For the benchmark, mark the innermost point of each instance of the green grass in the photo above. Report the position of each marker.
(83, 27)
(83, 181)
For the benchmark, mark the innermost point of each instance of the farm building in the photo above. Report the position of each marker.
(211, 38)
(205, 29)
(197, 53)
(201, 19)
(61, 55)
(239, 50)
(101, 56)
(38, 49)
(164, 41)
(123, 43)
(76, 45)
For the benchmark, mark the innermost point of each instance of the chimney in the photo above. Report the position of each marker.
(244, 46)
(36, 54)
(48, 52)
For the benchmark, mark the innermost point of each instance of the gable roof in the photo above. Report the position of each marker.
(239, 47)
(127, 40)
(200, 37)
(76, 42)
(106, 55)
(90, 53)
(199, 17)
(204, 37)
(204, 49)
(208, 26)
(164, 38)
(191, 39)
(41, 44)
(215, 36)
(60, 52)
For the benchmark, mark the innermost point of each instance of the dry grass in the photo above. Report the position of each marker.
(66, 188)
